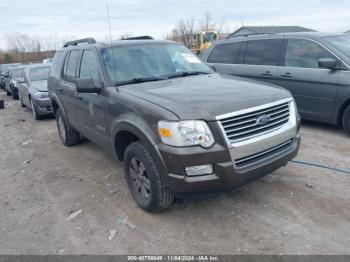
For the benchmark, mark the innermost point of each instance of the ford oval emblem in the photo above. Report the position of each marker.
(262, 120)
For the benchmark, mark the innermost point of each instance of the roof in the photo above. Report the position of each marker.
(253, 30)
(308, 35)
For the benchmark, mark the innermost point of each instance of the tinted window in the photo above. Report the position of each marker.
(89, 66)
(71, 66)
(304, 53)
(225, 53)
(263, 52)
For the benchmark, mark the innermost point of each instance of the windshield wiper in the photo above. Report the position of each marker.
(188, 73)
(138, 80)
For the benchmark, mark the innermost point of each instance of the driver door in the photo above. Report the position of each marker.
(91, 109)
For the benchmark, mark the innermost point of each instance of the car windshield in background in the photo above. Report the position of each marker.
(17, 73)
(151, 62)
(39, 73)
(341, 42)
(210, 37)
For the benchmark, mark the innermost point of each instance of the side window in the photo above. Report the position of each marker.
(263, 52)
(225, 53)
(89, 66)
(70, 68)
(304, 53)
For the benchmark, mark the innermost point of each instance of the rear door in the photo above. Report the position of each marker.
(255, 59)
(66, 90)
(224, 57)
(260, 60)
(313, 88)
(91, 106)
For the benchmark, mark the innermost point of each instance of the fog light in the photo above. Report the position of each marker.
(199, 170)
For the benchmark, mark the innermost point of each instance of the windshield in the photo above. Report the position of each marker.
(341, 42)
(17, 73)
(148, 61)
(39, 73)
(209, 37)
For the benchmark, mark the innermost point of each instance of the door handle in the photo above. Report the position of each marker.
(267, 73)
(287, 75)
(78, 96)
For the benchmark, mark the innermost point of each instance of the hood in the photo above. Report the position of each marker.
(40, 85)
(206, 96)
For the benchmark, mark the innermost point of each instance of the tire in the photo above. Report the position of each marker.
(346, 120)
(34, 111)
(68, 135)
(20, 99)
(8, 93)
(159, 196)
(14, 96)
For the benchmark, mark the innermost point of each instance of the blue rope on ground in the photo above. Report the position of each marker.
(345, 171)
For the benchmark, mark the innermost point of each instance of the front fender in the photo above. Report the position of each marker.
(147, 134)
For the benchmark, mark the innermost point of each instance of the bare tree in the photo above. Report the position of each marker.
(184, 31)
(207, 23)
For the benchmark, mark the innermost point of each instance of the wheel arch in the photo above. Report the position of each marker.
(342, 111)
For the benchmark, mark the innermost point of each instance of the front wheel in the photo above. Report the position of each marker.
(8, 93)
(69, 136)
(144, 180)
(346, 120)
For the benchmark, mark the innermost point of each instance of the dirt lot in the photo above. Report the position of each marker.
(296, 210)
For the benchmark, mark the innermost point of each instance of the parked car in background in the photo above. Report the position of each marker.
(178, 126)
(33, 90)
(314, 67)
(4, 73)
(11, 83)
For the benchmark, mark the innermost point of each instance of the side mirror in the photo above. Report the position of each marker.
(329, 63)
(86, 85)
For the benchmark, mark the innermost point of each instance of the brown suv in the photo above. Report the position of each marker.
(178, 126)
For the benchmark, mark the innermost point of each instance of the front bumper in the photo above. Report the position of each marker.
(225, 175)
(43, 106)
(234, 163)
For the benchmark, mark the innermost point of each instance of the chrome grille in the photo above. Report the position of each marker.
(263, 156)
(247, 125)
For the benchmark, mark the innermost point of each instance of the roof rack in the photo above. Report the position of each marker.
(80, 41)
(143, 37)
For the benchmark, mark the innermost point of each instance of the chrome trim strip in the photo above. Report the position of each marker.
(252, 109)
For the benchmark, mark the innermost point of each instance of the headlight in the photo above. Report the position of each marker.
(294, 111)
(41, 94)
(186, 133)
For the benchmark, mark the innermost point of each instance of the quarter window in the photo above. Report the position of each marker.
(89, 66)
(304, 53)
(71, 66)
(225, 53)
(263, 52)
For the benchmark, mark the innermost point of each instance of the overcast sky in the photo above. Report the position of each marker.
(157, 17)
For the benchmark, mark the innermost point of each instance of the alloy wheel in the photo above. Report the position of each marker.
(139, 179)
(61, 128)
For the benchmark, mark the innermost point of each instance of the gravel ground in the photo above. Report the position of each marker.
(296, 210)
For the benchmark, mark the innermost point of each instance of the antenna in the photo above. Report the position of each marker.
(110, 38)
(109, 22)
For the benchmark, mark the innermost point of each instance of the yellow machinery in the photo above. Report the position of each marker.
(203, 40)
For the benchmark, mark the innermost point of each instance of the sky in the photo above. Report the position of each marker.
(88, 18)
